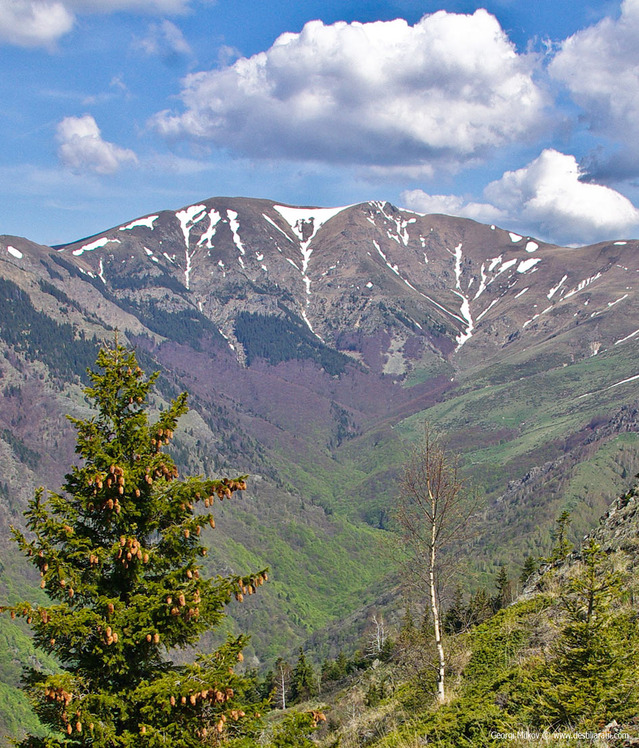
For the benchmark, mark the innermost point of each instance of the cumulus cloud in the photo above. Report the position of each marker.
(600, 67)
(547, 198)
(550, 194)
(452, 205)
(40, 23)
(33, 23)
(82, 148)
(447, 90)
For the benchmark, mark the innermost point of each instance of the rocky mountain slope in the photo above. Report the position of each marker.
(433, 283)
(314, 342)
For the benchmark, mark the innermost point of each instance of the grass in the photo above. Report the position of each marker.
(542, 407)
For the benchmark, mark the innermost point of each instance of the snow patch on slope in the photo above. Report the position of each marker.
(506, 266)
(298, 218)
(301, 219)
(144, 222)
(628, 337)
(97, 244)
(400, 234)
(188, 218)
(207, 236)
(272, 222)
(556, 288)
(234, 225)
(583, 284)
(465, 305)
(526, 265)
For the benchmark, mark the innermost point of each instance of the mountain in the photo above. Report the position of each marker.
(357, 273)
(314, 343)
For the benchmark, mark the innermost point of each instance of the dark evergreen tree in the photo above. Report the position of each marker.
(342, 664)
(295, 730)
(388, 650)
(529, 568)
(268, 686)
(335, 670)
(119, 553)
(303, 684)
(479, 608)
(504, 594)
(375, 693)
(455, 616)
(327, 672)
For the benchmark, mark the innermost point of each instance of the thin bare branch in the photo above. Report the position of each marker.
(433, 513)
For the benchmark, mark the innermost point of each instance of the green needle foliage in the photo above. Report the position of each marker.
(592, 677)
(303, 683)
(119, 553)
(562, 545)
(295, 730)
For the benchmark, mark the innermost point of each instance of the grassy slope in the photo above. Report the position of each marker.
(497, 673)
(505, 420)
(17, 650)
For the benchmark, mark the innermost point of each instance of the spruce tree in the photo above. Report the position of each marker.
(592, 677)
(504, 589)
(119, 552)
(562, 545)
(479, 607)
(342, 664)
(295, 730)
(303, 684)
(454, 618)
(529, 568)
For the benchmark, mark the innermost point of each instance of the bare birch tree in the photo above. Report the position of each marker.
(282, 681)
(433, 513)
(377, 638)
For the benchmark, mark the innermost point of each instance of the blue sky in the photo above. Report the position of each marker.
(525, 115)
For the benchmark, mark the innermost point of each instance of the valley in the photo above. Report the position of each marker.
(314, 343)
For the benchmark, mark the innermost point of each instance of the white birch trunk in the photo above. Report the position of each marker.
(441, 693)
(283, 687)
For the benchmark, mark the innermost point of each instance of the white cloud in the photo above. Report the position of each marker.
(33, 23)
(166, 40)
(549, 194)
(600, 67)
(444, 91)
(547, 199)
(145, 6)
(82, 148)
(40, 23)
(452, 205)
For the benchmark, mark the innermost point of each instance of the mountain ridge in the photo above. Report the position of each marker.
(385, 248)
